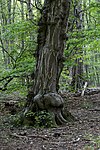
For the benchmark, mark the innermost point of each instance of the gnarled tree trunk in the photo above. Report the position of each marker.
(49, 56)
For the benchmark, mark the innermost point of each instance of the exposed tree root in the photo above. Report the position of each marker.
(53, 103)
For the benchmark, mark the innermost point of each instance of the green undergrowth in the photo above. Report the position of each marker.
(13, 116)
(41, 119)
(94, 142)
(86, 105)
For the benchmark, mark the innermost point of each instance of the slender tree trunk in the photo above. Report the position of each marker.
(5, 19)
(49, 57)
(29, 8)
(77, 70)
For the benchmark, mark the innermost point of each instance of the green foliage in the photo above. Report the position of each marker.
(18, 36)
(86, 105)
(41, 119)
(15, 120)
(94, 142)
(65, 79)
(84, 43)
(22, 60)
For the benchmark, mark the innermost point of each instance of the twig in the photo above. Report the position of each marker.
(10, 78)
(2, 46)
(38, 136)
(31, 4)
(95, 109)
(31, 136)
(82, 94)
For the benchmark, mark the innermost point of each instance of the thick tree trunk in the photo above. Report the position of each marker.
(49, 56)
(51, 37)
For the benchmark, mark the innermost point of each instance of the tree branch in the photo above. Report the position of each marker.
(5, 85)
(36, 6)
(10, 78)
(2, 46)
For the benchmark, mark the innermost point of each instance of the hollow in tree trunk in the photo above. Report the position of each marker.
(49, 55)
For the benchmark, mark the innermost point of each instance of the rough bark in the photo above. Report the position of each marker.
(51, 37)
(49, 56)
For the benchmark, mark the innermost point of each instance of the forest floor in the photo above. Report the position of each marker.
(83, 134)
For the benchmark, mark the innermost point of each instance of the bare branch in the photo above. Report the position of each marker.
(36, 6)
(2, 46)
(9, 79)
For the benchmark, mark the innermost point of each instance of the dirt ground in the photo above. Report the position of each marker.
(83, 134)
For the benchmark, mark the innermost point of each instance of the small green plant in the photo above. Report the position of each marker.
(21, 104)
(15, 120)
(86, 105)
(94, 143)
(41, 119)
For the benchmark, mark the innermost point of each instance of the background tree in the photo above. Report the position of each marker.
(77, 69)
(81, 44)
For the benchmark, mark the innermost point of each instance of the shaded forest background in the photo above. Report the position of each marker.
(18, 42)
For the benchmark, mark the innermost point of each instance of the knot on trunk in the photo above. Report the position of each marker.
(48, 100)
(51, 102)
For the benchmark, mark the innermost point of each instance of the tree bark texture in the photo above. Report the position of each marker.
(51, 37)
(49, 57)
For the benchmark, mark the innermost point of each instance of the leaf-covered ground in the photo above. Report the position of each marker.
(83, 134)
